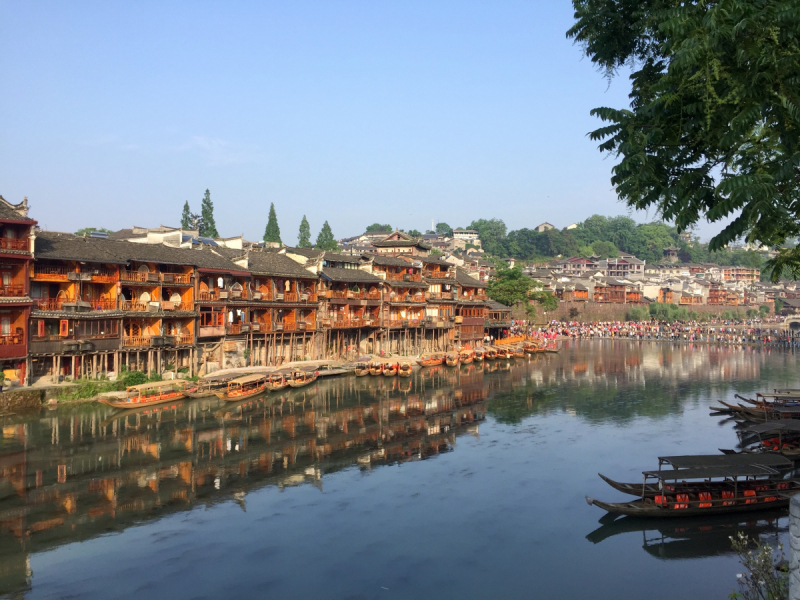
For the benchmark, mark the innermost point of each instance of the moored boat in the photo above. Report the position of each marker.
(277, 381)
(405, 368)
(451, 359)
(517, 351)
(465, 357)
(148, 394)
(478, 355)
(301, 378)
(376, 366)
(490, 354)
(244, 387)
(431, 360)
(390, 369)
(362, 369)
(706, 491)
(208, 386)
(503, 352)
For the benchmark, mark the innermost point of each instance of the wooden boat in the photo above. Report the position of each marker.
(405, 369)
(376, 367)
(362, 369)
(465, 357)
(708, 491)
(208, 386)
(390, 370)
(451, 359)
(244, 387)
(552, 346)
(503, 353)
(148, 394)
(517, 351)
(301, 378)
(490, 354)
(478, 355)
(277, 381)
(431, 360)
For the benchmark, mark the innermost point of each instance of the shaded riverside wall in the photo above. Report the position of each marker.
(590, 311)
(21, 398)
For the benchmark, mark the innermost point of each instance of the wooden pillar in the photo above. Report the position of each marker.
(94, 366)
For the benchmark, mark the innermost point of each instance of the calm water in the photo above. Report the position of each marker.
(458, 483)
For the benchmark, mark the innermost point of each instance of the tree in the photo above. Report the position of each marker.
(186, 216)
(208, 226)
(414, 233)
(87, 230)
(377, 227)
(492, 233)
(304, 235)
(713, 129)
(510, 286)
(325, 239)
(273, 233)
(444, 229)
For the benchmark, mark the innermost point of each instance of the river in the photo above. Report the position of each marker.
(456, 483)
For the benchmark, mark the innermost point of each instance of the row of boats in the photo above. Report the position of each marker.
(230, 387)
(759, 475)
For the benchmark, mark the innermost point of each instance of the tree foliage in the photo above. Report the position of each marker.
(492, 233)
(511, 286)
(713, 126)
(186, 216)
(414, 233)
(208, 227)
(272, 233)
(87, 230)
(377, 227)
(325, 239)
(304, 235)
(444, 229)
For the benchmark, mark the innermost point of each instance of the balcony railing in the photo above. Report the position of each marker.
(138, 276)
(403, 277)
(437, 274)
(169, 305)
(137, 341)
(440, 295)
(212, 296)
(48, 273)
(12, 339)
(51, 303)
(134, 305)
(102, 304)
(179, 278)
(14, 244)
(103, 275)
(12, 291)
(183, 340)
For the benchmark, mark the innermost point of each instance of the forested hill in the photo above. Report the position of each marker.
(604, 237)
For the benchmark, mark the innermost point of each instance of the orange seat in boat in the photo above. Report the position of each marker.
(682, 498)
(750, 496)
(705, 498)
(783, 486)
(770, 499)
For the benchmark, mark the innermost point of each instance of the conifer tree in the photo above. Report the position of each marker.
(208, 227)
(272, 233)
(186, 216)
(304, 236)
(325, 239)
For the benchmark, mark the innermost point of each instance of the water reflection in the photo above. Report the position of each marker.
(669, 539)
(80, 471)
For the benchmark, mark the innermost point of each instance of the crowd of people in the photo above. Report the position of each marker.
(767, 332)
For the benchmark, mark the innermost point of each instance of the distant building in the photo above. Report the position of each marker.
(671, 254)
(572, 226)
(469, 236)
(544, 227)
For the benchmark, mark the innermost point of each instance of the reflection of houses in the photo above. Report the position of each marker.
(79, 475)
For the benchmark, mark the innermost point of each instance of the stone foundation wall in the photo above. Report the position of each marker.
(20, 399)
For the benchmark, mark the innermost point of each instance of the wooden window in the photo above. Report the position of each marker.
(40, 331)
(63, 328)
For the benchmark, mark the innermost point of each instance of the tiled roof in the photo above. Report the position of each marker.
(7, 212)
(350, 275)
(307, 252)
(388, 261)
(345, 258)
(66, 246)
(463, 279)
(401, 243)
(407, 284)
(270, 263)
(496, 306)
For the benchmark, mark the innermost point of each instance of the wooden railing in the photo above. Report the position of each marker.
(51, 303)
(439, 295)
(12, 340)
(103, 275)
(102, 304)
(437, 274)
(290, 296)
(14, 244)
(179, 278)
(134, 305)
(169, 305)
(234, 328)
(12, 291)
(184, 339)
(139, 277)
(49, 273)
(373, 295)
(403, 277)
(212, 296)
(138, 341)
(418, 298)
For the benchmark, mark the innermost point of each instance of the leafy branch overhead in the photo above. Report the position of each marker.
(713, 127)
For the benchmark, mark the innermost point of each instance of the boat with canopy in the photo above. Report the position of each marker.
(148, 394)
(244, 387)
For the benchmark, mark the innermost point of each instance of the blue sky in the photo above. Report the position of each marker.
(114, 114)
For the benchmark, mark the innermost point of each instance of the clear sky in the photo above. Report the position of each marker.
(114, 113)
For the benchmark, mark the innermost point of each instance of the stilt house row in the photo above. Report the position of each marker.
(87, 306)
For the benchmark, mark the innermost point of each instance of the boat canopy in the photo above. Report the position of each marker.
(732, 471)
(726, 460)
(156, 385)
(248, 379)
(776, 426)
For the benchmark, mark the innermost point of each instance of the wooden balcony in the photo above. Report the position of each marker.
(212, 296)
(441, 295)
(138, 277)
(12, 291)
(177, 278)
(48, 273)
(133, 305)
(403, 277)
(136, 342)
(51, 303)
(15, 244)
(184, 340)
(102, 304)
(12, 345)
(184, 306)
(103, 276)
(437, 274)
(235, 328)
